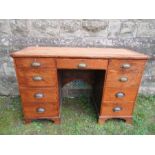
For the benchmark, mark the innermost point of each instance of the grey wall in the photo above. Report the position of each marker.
(138, 35)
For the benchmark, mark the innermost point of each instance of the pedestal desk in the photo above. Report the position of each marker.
(115, 76)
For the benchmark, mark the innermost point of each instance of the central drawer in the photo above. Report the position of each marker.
(82, 63)
(39, 94)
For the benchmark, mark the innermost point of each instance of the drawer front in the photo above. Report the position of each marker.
(39, 94)
(81, 64)
(125, 66)
(40, 110)
(117, 109)
(116, 79)
(37, 77)
(35, 62)
(120, 94)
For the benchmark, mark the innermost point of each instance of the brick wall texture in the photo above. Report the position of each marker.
(15, 34)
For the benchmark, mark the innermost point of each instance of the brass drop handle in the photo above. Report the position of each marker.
(126, 66)
(82, 65)
(36, 64)
(117, 109)
(123, 79)
(40, 110)
(37, 78)
(38, 95)
(120, 95)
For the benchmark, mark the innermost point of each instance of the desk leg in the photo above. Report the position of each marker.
(128, 120)
(56, 120)
(27, 121)
(102, 120)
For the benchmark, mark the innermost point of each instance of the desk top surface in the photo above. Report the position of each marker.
(68, 52)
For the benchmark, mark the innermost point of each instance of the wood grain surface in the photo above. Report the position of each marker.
(78, 53)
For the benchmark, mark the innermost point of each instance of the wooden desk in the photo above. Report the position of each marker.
(115, 75)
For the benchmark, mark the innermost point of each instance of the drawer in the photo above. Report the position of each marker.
(125, 66)
(39, 94)
(39, 77)
(120, 94)
(116, 79)
(40, 110)
(82, 63)
(35, 62)
(117, 109)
